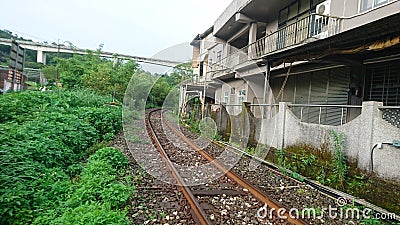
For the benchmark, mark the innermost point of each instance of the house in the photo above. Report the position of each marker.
(325, 62)
(6, 82)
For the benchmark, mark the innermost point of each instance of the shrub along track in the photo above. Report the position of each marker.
(227, 198)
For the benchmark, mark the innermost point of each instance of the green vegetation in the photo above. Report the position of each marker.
(100, 195)
(56, 166)
(340, 167)
(104, 76)
(44, 139)
(91, 71)
(331, 168)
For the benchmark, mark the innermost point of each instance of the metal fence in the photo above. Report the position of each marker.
(334, 115)
(391, 114)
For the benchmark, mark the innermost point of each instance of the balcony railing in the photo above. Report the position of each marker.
(305, 30)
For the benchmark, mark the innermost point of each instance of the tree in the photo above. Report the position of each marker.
(137, 93)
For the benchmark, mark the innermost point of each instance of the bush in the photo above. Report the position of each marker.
(100, 195)
(112, 156)
(92, 214)
(107, 121)
(44, 137)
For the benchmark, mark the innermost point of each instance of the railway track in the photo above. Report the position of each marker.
(214, 194)
(292, 192)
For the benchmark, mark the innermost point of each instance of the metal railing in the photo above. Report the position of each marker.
(313, 26)
(304, 30)
(326, 114)
(334, 115)
(391, 114)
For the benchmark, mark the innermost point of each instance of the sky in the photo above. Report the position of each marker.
(135, 27)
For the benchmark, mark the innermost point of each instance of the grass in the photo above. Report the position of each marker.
(319, 164)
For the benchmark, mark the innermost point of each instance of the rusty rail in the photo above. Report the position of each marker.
(240, 181)
(198, 213)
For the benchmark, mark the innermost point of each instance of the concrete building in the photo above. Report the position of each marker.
(6, 82)
(330, 64)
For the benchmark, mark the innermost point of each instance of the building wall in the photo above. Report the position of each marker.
(230, 11)
(271, 27)
(195, 61)
(3, 76)
(218, 96)
(350, 9)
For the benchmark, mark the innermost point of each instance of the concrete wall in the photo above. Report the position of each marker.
(285, 129)
(271, 27)
(218, 96)
(361, 135)
(229, 12)
(354, 18)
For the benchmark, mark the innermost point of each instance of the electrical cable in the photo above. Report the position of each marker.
(372, 160)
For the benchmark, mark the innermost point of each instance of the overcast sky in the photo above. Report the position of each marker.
(136, 27)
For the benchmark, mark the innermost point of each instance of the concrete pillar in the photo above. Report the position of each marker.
(370, 111)
(252, 38)
(41, 57)
(267, 90)
(280, 124)
(253, 33)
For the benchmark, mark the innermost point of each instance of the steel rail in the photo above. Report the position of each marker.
(240, 181)
(199, 214)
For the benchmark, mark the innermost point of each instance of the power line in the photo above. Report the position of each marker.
(19, 33)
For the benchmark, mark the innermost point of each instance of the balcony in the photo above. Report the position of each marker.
(306, 30)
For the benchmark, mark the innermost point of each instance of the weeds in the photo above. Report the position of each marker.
(45, 138)
(340, 167)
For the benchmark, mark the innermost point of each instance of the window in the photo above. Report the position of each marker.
(226, 97)
(219, 56)
(366, 5)
(283, 15)
(369, 4)
(304, 6)
(201, 69)
(380, 2)
(293, 10)
(240, 100)
(242, 94)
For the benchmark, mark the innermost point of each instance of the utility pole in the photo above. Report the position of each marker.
(58, 55)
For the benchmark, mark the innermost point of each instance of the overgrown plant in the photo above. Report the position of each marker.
(45, 137)
(339, 160)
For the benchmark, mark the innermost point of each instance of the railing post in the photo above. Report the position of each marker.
(341, 117)
(319, 116)
(280, 128)
(301, 113)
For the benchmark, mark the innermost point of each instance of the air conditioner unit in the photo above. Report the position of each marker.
(321, 22)
(324, 8)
